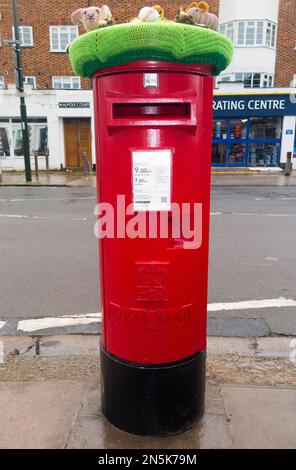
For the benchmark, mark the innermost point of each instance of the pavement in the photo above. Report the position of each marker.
(220, 177)
(50, 397)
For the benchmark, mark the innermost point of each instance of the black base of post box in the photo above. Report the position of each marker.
(153, 400)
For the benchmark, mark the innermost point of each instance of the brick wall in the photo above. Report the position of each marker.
(286, 54)
(38, 61)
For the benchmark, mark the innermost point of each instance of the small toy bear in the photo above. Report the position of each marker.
(198, 14)
(92, 18)
(150, 14)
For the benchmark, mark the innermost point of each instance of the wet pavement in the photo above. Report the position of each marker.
(227, 177)
(53, 400)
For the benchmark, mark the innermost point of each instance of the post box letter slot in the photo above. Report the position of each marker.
(159, 110)
(170, 113)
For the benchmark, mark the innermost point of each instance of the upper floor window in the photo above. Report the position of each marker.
(251, 33)
(26, 36)
(61, 36)
(228, 30)
(2, 83)
(250, 80)
(66, 83)
(30, 81)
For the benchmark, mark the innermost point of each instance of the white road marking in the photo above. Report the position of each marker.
(49, 199)
(18, 216)
(216, 213)
(45, 323)
(40, 217)
(288, 198)
(2, 323)
(252, 304)
(248, 214)
(29, 326)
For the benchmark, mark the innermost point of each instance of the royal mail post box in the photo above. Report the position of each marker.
(153, 138)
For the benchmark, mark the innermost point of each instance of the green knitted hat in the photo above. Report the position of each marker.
(161, 41)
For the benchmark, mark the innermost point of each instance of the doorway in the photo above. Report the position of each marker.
(77, 135)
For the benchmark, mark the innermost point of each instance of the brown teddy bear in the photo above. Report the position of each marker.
(198, 14)
(92, 18)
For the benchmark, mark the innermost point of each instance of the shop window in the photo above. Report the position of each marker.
(38, 135)
(219, 154)
(4, 140)
(61, 36)
(265, 128)
(237, 154)
(238, 128)
(26, 36)
(261, 154)
(220, 129)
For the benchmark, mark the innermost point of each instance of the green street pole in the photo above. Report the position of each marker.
(20, 88)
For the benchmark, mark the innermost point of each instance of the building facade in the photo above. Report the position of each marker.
(254, 105)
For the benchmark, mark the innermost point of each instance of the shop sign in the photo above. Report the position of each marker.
(254, 105)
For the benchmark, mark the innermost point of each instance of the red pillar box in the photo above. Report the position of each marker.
(153, 139)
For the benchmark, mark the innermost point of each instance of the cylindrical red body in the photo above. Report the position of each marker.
(154, 290)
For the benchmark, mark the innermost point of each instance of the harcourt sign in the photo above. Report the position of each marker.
(254, 105)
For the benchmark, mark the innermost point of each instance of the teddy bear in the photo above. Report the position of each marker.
(198, 14)
(150, 14)
(92, 18)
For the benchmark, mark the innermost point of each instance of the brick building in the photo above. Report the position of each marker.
(264, 65)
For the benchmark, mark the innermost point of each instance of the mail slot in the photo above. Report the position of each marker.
(161, 110)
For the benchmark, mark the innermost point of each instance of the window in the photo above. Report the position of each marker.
(265, 128)
(254, 141)
(271, 35)
(2, 83)
(4, 140)
(26, 36)
(264, 154)
(228, 30)
(250, 80)
(238, 129)
(61, 36)
(219, 153)
(30, 81)
(66, 83)
(38, 135)
(250, 33)
(220, 129)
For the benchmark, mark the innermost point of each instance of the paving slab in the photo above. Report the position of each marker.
(261, 418)
(38, 415)
(92, 431)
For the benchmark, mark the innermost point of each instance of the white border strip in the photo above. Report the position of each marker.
(61, 322)
(252, 304)
(32, 325)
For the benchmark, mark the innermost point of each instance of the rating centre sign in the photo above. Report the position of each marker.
(254, 105)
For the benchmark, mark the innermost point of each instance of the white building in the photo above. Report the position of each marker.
(60, 120)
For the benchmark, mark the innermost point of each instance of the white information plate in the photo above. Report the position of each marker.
(152, 180)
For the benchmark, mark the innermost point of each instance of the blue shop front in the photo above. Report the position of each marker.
(254, 130)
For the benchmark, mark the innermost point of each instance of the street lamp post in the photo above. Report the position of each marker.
(16, 44)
